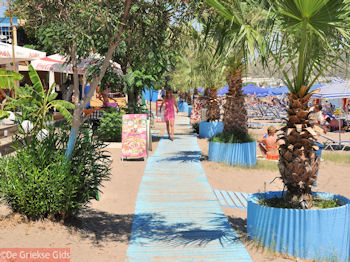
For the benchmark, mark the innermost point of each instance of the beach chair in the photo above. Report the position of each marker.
(334, 144)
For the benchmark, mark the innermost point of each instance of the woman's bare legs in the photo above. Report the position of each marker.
(172, 128)
(167, 128)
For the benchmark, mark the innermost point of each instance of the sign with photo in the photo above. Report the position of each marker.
(134, 136)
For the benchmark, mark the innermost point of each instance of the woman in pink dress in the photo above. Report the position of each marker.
(169, 113)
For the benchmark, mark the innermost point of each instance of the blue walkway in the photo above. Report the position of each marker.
(177, 217)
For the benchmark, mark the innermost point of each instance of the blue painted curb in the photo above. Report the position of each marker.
(315, 234)
(189, 111)
(210, 129)
(234, 154)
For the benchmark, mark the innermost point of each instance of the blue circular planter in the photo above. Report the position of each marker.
(315, 234)
(189, 111)
(234, 154)
(210, 129)
(185, 107)
(181, 106)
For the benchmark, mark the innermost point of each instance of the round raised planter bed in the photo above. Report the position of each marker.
(184, 107)
(189, 111)
(315, 234)
(235, 154)
(210, 129)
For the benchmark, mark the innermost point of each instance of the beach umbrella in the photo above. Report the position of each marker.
(335, 89)
(223, 91)
(254, 90)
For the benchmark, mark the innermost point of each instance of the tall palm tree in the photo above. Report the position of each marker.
(198, 66)
(237, 32)
(309, 37)
(212, 74)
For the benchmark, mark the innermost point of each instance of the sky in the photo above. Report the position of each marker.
(2, 7)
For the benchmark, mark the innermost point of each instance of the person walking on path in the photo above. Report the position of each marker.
(163, 92)
(169, 113)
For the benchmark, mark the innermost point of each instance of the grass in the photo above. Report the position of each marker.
(337, 157)
(232, 138)
(283, 203)
(261, 165)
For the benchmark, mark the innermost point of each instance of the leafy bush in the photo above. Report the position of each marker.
(136, 109)
(230, 138)
(36, 104)
(110, 129)
(39, 182)
(195, 127)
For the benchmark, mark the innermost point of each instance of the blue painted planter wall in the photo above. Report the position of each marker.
(189, 111)
(183, 107)
(233, 154)
(316, 234)
(210, 129)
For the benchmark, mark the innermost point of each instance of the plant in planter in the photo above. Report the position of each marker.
(309, 36)
(237, 30)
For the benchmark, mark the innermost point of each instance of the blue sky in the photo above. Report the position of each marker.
(2, 7)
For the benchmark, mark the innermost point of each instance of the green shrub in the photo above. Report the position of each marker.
(195, 127)
(110, 129)
(39, 182)
(232, 138)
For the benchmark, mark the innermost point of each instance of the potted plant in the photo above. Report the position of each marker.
(236, 32)
(308, 36)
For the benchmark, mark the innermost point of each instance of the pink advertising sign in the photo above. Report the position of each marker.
(134, 136)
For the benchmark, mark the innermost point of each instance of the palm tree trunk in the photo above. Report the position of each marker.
(235, 117)
(213, 113)
(298, 162)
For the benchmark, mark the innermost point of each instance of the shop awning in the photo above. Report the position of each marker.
(21, 54)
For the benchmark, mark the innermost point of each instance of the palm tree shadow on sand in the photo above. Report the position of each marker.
(154, 228)
(183, 156)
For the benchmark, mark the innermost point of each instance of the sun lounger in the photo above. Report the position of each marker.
(334, 144)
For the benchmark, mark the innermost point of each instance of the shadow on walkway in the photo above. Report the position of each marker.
(154, 228)
(183, 156)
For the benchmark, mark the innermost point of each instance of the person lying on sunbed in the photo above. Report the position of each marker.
(333, 124)
(268, 144)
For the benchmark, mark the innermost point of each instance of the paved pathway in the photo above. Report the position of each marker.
(177, 217)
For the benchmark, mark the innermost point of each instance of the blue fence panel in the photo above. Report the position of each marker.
(234, 154)
(315, 234)
(210, 129)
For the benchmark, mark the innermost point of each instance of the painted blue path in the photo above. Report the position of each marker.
(177, 216)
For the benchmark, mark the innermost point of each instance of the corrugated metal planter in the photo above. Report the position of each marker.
(235, 154)
(180, 106)
(210, 129)
(315, 234)
(184, 107)
(189, 111)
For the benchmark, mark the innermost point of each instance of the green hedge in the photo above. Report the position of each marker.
(39, 182)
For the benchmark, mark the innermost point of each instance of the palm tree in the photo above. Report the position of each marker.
(309, 36)
(198, 66)
(212, 73)
(237, 31)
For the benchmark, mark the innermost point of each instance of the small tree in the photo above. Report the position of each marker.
(309, 37)
(237, 31)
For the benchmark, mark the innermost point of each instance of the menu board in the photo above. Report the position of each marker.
(134, 136)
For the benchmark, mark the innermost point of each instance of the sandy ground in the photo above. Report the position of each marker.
(102, 231)
(333, 178)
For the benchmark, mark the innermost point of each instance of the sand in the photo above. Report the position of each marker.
(103, 229)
